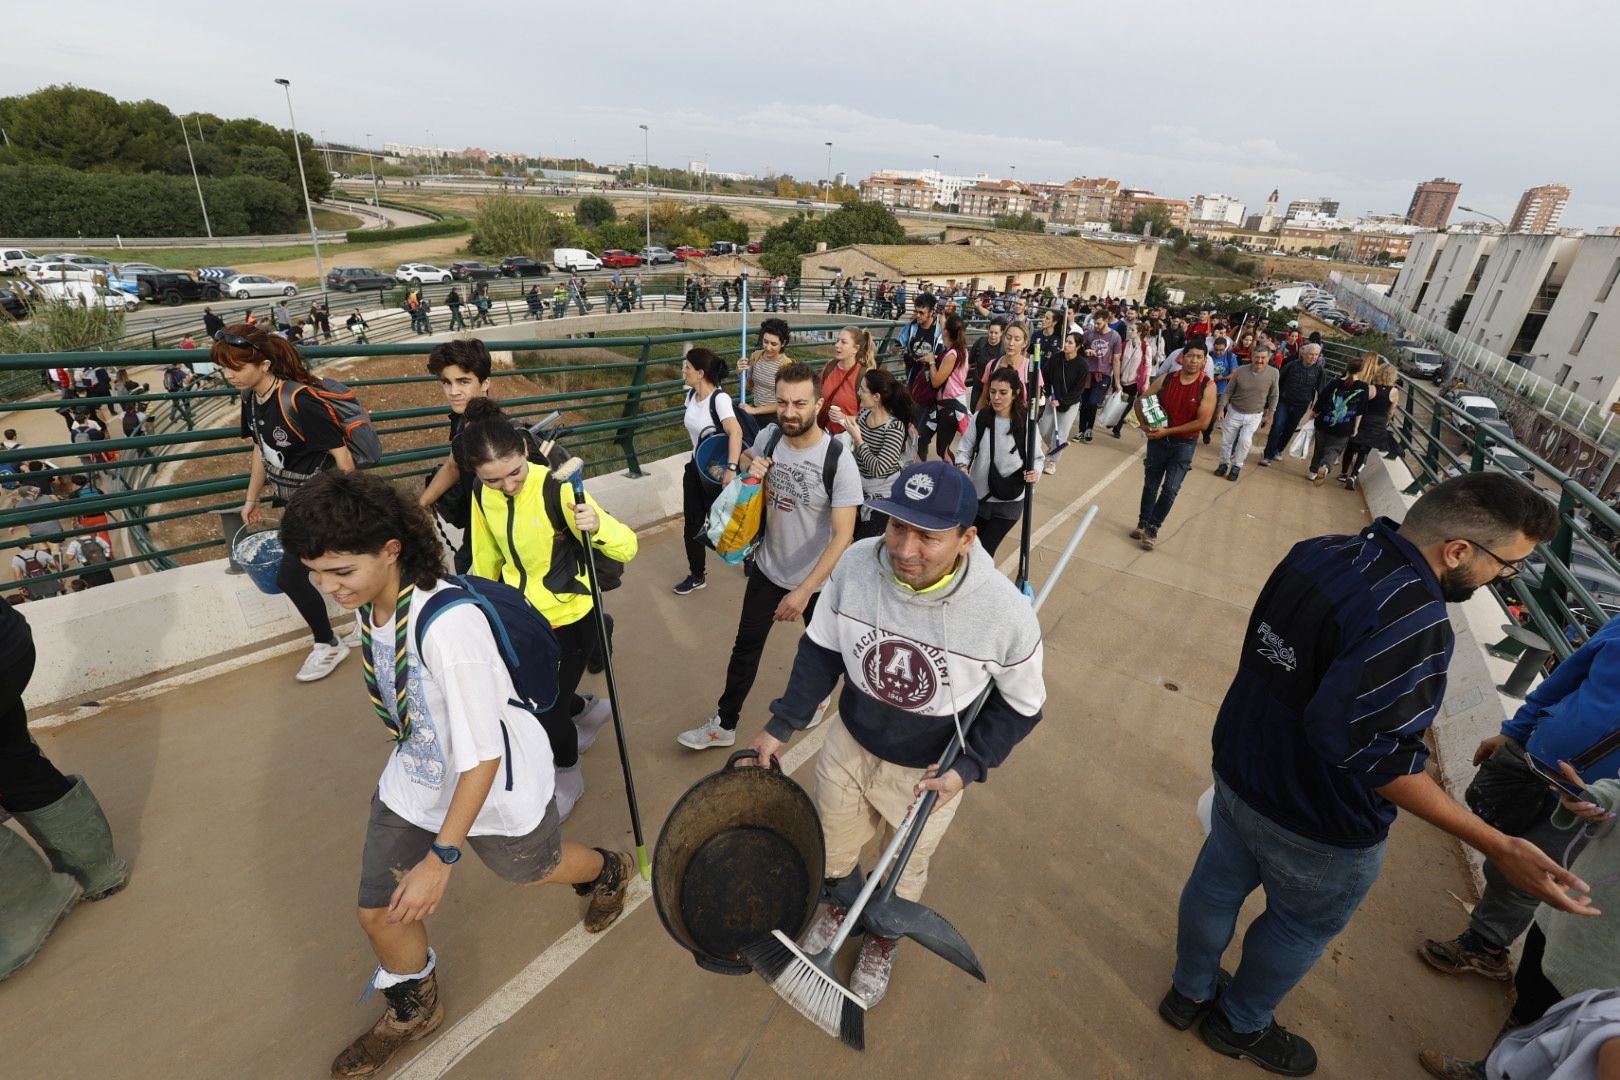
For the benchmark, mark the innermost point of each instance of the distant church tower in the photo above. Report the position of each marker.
(1268, 219)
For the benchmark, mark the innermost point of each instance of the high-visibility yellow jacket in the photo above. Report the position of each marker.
(514, 541)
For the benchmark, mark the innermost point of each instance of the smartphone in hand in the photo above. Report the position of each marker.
(1559, 781)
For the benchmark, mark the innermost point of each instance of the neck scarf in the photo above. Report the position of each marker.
(392, 713)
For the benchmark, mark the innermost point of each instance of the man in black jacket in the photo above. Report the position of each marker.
(1298, 384)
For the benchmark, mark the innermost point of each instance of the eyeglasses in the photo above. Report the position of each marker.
(1509, 568)
(241, 342)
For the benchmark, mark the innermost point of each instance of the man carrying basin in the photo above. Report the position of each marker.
(916, 621)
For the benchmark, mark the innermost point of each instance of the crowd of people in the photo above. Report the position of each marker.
(887, 497)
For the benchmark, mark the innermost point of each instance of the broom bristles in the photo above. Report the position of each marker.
(814, 993)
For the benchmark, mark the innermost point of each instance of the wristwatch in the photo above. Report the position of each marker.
(447, 854)
(732, 465)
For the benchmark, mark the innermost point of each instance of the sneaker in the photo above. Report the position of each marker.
(1349, 483)
(352, 638)
(1447, 1067)
(1465, 953)
(707, 734)
(607, 893)
(1233, 475)
(1114, 431)
(1265, 461)
(1050, 467)
(321, 661)
(1085, 436)
(870, 979)
(1182, 1012)
(1344, 478)
(1274, 1048)
(690, 584)
(1220, 470)
(1150, 536)
(1319, 477)
(569, 790)
(1136, 533)
(597, 712)
(823, 930)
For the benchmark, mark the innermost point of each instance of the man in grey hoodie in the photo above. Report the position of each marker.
(916, 621)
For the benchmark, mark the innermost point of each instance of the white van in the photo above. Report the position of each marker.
(1477, 407)
(571, 259)
(12, 260)
(88, 294)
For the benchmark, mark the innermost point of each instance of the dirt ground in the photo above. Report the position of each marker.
(382, 257)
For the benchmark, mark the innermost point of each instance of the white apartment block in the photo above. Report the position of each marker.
(1218, 208)
(1579, 343)
(943, 188)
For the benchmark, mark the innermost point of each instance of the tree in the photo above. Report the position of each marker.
(1156, 215)
(853, 223)
(516, 225)
(266, 161)
(1158, 294)
(1181, 244)
(1454, 317)
(594, 210)
(1022, 222)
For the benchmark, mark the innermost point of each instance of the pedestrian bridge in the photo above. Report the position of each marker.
(240, 797)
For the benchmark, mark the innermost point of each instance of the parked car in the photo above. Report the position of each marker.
(417, 273)
(656, 255)
(173, 286)
(1424, 363)
(1501, 457)
(723, 247)
(618, 258)
(247, 286)
(686, 251)
(570, 260)
(88, 294)
(753, 247)
(522, 266)
(129, 270)
(56, 270)
(89, 262)
(473, 271)
(354, 278)
(1355, 326)
(126, 285)
(12, 305)
(12, 260)
(1477, 408)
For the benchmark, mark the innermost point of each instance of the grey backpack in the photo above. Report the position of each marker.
(1563, 1044)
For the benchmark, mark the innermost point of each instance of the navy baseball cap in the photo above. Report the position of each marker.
(932, 495)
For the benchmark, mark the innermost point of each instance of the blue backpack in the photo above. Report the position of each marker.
(524, 636)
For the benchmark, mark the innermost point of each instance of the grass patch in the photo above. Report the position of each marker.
(336, 221)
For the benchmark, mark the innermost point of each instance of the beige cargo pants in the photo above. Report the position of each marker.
(857, 794)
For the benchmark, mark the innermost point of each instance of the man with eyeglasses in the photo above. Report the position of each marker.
(1320, 739)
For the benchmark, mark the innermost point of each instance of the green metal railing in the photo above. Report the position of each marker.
(631, 415)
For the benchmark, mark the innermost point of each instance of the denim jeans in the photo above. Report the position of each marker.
(1283, 425)
(1311, 889)
(1163, 469)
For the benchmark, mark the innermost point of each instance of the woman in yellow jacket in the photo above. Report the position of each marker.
(515, 541)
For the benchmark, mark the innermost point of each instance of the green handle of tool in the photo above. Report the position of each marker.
(642, 864)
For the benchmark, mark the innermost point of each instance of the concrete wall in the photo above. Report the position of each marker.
(1457, 261)
(1595, 370)
(1415, 272)
(1503, 299)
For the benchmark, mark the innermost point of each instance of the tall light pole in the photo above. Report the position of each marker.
(646, 172)
(194, 180)
(376, 198)
(826, 189)
(433, 154)
(309, 207)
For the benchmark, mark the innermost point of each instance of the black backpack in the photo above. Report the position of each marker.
(829, 466)
(1005, 488)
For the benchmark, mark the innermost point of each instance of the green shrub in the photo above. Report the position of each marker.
(52, 200)
(60, 326)
(515, 225)
(447, 227)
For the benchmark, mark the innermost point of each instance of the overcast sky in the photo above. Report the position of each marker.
(1355, 101)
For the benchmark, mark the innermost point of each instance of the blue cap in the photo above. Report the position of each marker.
(932, 495)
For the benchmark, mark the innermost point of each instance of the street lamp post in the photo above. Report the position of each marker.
(376, 197)
(309, 207)
(646, 172)
(826, 190)
(200, 201)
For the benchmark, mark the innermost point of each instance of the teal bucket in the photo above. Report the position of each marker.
(260, 554)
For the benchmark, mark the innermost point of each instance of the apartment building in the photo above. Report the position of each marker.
(1223, 209)
(1433, 202)
(1516, 290)
(1540, 209)
(1085, 199)
(1131, 200)
(898, 192)
(990, 198)
(1579, 343)
(1317, 208)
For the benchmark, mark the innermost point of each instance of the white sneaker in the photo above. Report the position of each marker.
(707, 734)
(570, 789)
(597, 712)
(823, 930)
(1050, 467)
(870, 979)
(821, 710)
(321, 661)
(352, 638)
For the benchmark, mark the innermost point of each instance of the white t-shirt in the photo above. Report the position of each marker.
(459, 702)
(700, 418)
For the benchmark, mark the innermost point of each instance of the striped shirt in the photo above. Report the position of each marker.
(1343, 669)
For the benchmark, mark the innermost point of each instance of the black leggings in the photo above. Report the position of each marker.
(28, 780)
(992, 530)
(294, 581)
(696, 498)
(1354, 458)
(946, 421)
(1536, 993)
(576, 640)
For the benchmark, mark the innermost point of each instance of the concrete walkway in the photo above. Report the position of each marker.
(241, 801)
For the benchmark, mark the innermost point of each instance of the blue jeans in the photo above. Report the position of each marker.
(1167, 463)
(1283, 425)
(1312, 889)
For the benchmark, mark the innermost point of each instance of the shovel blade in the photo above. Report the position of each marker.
(894, 917)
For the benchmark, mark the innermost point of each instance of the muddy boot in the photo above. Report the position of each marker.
(414, 1012)
(607, 891)
(75, 836)
(32, 900)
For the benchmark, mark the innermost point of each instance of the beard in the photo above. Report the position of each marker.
(793, 425)
(1455, 587)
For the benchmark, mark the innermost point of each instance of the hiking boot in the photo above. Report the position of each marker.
(414, 1012)
(322, 660)
(1233, 475)
(690, 584)
(33, 900)
(1447, 1067)
(570, 788)
(597, 712)
(607, 892)
(74, 834)
(1220, 470)
(1273, 1048)
(1467, 952)
(1141, 528)
(1150, 536)
(823, 930)
(1182, 1012)
(870, 979)
(707, 734)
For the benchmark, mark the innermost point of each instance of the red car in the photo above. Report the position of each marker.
(618, 258)
(686, 251)
(753, 247)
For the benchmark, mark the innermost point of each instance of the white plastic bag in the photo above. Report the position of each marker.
(1113, 410)
(1304, 442)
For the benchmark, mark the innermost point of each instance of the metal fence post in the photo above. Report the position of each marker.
(626, 438)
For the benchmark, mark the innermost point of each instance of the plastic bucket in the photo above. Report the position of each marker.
(260, 554)
(712, 457)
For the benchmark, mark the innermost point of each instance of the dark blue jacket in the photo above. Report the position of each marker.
(1576, 707)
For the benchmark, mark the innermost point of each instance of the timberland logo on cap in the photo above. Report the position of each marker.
(919, 486)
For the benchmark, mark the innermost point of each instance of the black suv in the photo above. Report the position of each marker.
(473, 271)
(354, 278)
(173, 287)
(725, 247)
(521, 266)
